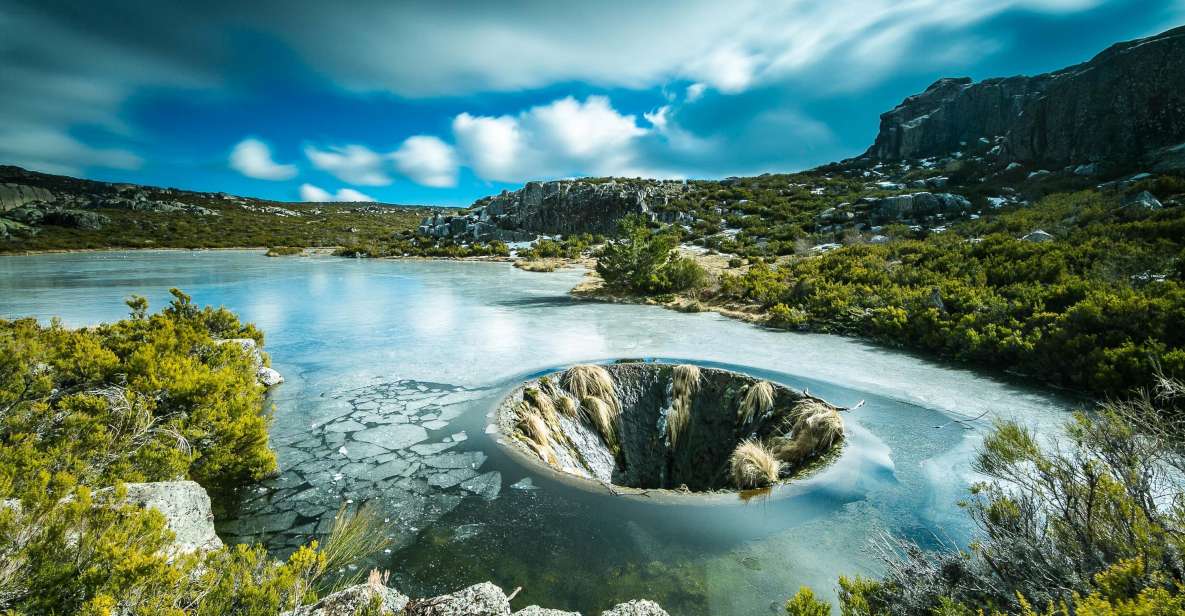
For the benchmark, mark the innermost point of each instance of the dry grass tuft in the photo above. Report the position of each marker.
(567, 406)
(535, 432)
(814, 428)
(754, 465)
(758, 400)
(603, 417)
(587, 380)
(685, 380)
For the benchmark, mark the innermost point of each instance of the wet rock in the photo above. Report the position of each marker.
(353, 600)
(483, 599)
(636, 608)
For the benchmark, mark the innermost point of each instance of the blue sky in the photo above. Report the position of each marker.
(444, 102)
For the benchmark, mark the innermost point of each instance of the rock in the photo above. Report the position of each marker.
(636, 608)
(1069, 116)
(535, 610)
(186, 508)
(268, 377)
(352, 600)
(13, 196)
(1038, 236)
(1143, 199)
(8, 227)
(560, 207)
(483, 599)
(75, 219)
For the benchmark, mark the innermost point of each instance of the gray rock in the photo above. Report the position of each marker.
(268, 377)
(1038, 236)
(535, 610)
(186, 508)
(483, 599)
(1065, 117)
(636, 608)
(1143, 199)
(13, 196)
(350, 601)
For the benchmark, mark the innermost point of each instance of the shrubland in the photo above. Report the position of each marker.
(155, 397)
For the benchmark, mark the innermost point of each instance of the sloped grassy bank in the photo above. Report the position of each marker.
(651, 426)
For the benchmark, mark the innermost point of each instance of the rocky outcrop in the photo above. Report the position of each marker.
(186, 508)
(484, 599)
(13, 196)
(914, 207)
(352, 600)
(561, 207)
(1122, 105)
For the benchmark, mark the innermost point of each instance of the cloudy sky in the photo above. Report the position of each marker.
(442, 102)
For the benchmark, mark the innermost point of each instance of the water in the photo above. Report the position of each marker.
(393, 366)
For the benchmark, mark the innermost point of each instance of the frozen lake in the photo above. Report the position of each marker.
(393, 366)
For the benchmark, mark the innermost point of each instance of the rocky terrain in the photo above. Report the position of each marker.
(1127, 104)
(562, 207)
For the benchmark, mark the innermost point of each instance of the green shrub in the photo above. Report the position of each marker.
(645, 261)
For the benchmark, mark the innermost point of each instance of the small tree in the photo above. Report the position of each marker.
(643, 260)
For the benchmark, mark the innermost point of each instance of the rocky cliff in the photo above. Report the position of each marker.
(562, 207)
(1124, 104)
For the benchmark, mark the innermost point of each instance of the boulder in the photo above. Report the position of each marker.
(13, 196)
(484, 599)
(1038, 236)
(636, 608)
(186, 508)
(535, 610)
(350, 601)
(1143, 199)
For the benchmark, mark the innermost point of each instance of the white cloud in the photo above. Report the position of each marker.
(253, 158)
(427, 160)
(316, 194)
(349, 194)
(51, 151)
(354, 164)
(728, 69)
(566, 136)
(491, 146)
(695, 91)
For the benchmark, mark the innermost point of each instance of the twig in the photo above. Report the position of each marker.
(512, 595)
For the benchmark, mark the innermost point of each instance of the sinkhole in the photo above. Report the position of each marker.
(654, 426)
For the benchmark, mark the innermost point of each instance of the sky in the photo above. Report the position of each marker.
(440, 103)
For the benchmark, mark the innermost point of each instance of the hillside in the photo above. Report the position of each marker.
(50, 212)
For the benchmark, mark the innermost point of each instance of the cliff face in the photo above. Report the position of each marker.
(1123, 104)
(561, 207)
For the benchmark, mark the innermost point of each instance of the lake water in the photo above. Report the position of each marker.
(393, 366)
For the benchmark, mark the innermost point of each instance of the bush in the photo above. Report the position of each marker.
(645, 261)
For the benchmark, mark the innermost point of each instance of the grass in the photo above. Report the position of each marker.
(589, 380)
(536, 266)
(535, 432)
(758, 400)
(685, 380)
(814, 427)
(754, 465)
(603, 417)
(355, 535)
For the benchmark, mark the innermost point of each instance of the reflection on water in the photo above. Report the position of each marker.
(393, 366)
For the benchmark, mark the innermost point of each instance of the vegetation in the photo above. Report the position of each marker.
(570, 247)
(753, 465)
(1095, 526)
(645, 261)
(284, 251)
(411, 245)
(151, 398)
(1095, 309)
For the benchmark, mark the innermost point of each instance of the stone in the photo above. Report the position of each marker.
(1038, 236)
(535, 610)
(13, 196)
(352, 600)
(1143, 199)
(268, 377)
(186, 508)
(636, 608)
(484, 599)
